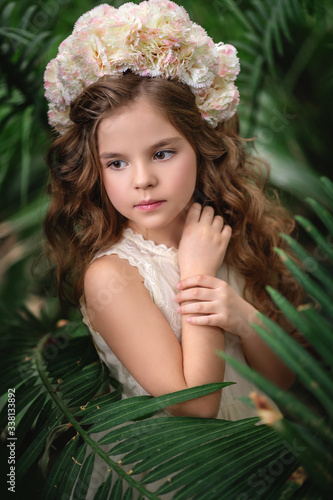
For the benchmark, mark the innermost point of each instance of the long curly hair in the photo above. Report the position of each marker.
(81, 219)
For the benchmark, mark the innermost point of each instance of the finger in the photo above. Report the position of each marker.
(196, 293)
(193, 215)
(200, 280)
(226, 234)
(218, 222)
(207, 214)
(204, 320)
(197, 308)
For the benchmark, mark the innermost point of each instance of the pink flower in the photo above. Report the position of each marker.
(155, 38)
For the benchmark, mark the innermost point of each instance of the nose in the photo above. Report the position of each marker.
(144, 176)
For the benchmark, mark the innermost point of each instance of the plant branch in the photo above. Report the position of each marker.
(84, 434)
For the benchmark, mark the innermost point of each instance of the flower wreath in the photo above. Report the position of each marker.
(153, 39)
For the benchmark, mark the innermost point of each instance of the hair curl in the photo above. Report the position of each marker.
(81, 220)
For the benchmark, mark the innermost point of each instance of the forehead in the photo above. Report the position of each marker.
(141, 121)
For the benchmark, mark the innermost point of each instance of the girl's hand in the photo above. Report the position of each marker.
(203, 243)
(213, 302)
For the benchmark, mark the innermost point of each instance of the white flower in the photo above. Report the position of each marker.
(219, 102)
(103, 11)
(154, 38)
(229, 62)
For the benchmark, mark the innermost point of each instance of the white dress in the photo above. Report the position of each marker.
(158, 265)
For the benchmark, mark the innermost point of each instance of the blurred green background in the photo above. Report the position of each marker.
(286, 87)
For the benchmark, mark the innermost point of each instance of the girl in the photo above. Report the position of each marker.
(159, 222)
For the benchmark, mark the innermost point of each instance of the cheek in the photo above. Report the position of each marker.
(187, 174)
(113, 191)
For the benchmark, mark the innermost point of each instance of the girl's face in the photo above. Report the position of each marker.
(149, 170)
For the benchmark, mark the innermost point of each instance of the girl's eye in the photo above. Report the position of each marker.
(164, 155)
(117, 164)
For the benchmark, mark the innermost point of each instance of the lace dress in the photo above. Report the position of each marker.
(158, 265)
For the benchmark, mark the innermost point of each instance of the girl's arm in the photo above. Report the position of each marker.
(120, 308)
(220, 305)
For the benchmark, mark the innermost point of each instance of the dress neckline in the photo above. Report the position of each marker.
(160, 248)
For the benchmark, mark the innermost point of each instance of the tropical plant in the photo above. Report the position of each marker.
(59, 385)
(285, 83)
(284, 49)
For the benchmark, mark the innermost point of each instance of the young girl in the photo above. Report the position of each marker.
(159, 222)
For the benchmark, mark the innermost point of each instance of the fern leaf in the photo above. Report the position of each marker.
(55, 477)
(85, 385)
(328, 185)
(84, 477)
(233, 7)
(323, 343)
(299, 361)
(71, 474)
(158, 451)
(199, 452)
(210, 479)
(6, 13)
(128, 495)
(25, 394)
(262, 11)
(322, 213)
(286, 401)
(103, 492)
(318, 323)
(282, 14)
(117, 490)
(36, 447)
(15, 377)
(137, 407)
(257, 23)
(31, 414)
(310, 263)
(307, 283)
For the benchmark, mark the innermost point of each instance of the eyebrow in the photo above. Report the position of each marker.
(160, 144)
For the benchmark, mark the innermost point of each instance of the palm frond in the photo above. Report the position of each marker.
(55, 399)
(311, 429)
(267, 28)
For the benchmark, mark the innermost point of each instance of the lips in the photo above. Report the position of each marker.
(148, 205)
(148, 202)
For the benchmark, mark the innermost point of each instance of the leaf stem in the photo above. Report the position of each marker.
(84, 434)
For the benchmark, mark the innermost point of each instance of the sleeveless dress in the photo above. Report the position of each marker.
(158, 266)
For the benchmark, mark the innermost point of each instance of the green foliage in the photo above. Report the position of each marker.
(23, 140)
(285, 84)
(63, 403)
(310, 429)
(55, 376)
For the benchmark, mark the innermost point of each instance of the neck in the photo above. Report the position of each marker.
(169, 235)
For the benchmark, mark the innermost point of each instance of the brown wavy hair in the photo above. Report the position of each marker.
(81, 219)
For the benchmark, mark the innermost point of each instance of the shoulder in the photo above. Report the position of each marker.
(111, 287)
(109, 271)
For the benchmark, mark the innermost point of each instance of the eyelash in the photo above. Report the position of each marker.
(164, 151)
(111, 164)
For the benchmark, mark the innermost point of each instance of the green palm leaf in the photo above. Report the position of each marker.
(55, 477)
(148, 446)
(66, 483)
(84, 477)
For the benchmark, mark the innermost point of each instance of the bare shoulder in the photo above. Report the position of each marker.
(109, 271)
(111, 286)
